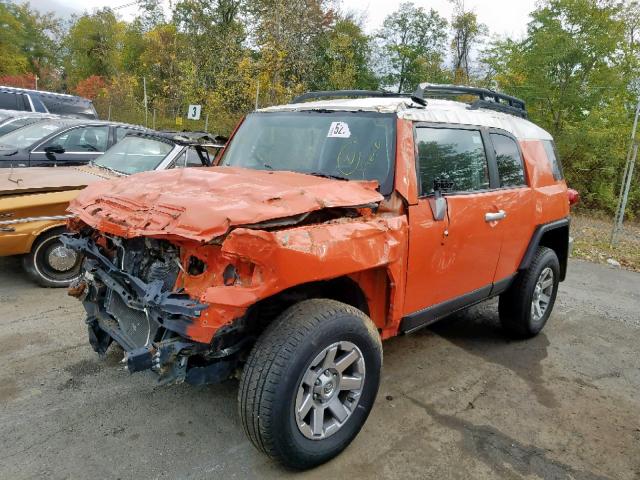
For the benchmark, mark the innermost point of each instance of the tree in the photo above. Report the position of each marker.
(345, 61)
(575, 70)
(412, 46)
(29, 41)
(467, 33)
(92, 46)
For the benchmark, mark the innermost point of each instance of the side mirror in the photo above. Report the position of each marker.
(438, 206)
(54, 149)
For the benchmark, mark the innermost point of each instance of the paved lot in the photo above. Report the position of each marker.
(457, 400)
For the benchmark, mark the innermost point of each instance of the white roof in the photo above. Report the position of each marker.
(436, 111)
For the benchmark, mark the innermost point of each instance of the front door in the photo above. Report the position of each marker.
(452, 262)
(76, 146)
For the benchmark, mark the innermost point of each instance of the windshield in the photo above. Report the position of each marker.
(26, 136)
(134, 154)
(349, 145)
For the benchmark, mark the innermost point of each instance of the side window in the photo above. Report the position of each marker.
(509, 160)
(552, 155)
(122, 132)
(193, 159)
(11, 101)
(453, 158)
(83, 139)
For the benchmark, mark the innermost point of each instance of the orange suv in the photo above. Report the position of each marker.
(327, 225)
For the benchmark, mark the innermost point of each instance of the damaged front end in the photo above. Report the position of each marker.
(127, 290)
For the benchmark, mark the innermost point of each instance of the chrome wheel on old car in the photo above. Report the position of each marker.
(50, 263)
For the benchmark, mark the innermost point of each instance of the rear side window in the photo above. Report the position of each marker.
(509, 160)
(453, 159)
(12, 101)
(74, 107)
(552, 155)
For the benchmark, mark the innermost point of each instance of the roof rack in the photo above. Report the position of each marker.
(356, 93)
(488, 99)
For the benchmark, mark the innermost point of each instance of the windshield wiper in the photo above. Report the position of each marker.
(109, 169)
(325, 175)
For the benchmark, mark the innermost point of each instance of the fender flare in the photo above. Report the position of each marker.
(536, 238)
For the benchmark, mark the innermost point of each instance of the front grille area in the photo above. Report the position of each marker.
(133, 324)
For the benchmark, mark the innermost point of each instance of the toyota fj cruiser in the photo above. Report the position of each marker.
(326, 226)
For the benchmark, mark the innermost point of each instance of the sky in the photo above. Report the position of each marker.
(503, 17)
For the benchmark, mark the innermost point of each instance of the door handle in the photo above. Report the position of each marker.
(494, 216)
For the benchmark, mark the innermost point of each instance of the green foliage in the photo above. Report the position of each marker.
(576, 70)
(412, 47)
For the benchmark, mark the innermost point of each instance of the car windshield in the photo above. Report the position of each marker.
(134, 154)
(26, 136)
(349, 145)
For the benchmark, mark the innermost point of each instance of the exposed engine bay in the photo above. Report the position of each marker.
(128, 292)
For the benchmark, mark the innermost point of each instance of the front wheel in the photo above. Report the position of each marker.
(50, 263)
(310, 382)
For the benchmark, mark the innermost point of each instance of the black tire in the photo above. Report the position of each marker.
(38, 267)
(515, 305)
(274, 372)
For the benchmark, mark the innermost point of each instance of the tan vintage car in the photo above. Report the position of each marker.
(33, 201)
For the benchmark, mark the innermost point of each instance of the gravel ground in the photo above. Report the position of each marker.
(458, 400)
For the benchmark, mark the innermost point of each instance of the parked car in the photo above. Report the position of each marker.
(328, 226)
(11, 120)
(60, 142)
(21, 100)
(12, 98)
(33, 200)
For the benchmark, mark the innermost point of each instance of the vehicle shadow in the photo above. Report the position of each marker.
(477, 330)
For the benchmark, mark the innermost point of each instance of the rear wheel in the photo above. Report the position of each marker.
(527, 305)
(50, 263)
(310, 382)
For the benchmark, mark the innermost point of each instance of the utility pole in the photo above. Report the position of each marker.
(153, 125)
(632, 154)
(257, 92)
(36, 82)
(206, 123)
(146, 110)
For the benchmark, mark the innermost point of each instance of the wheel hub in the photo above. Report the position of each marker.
(329, 390)
(542, 293)
(62, 258)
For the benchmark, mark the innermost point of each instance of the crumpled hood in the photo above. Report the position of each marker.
(48, 179)
(203, 203)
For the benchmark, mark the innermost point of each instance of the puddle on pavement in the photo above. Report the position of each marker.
(478, 331)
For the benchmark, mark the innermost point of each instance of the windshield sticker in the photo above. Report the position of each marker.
(339, 130)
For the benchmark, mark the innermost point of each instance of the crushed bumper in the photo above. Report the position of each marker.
(149, 323)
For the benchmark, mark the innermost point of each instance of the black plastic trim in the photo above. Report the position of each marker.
(535, 242)
(431, 314)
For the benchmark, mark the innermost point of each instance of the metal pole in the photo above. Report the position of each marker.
(109, 114)
(146, 110)
(206, 123)
(626, 181)
(154, 119)
(257, 93)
